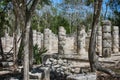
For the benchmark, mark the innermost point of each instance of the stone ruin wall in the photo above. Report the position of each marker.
(50, 40)
(38, 38)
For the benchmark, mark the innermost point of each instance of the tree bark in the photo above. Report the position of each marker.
(92, 44)
(20, 49)
(31, 48)
(24, 15)
(15, 49)
(26, 51)
(1, 49)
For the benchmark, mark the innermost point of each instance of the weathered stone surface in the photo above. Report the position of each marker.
(99, 40)
(13, 79)
(106, 52)
(34, 76)
(46, 73)
(47, 40)
(7, 64)
(106, 29)
(61, 40)
(107, 43)
(106, 22)
(115, 35)
(107, 38)
(81, 36)
(82, 77)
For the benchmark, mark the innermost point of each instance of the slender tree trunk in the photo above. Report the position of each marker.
(20, 51)
(30, 48)
(92, 44)
(24, 16)
(27, 48)
(1, 49)
(15, 44)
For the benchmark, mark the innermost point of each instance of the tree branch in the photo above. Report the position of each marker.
(33, 6)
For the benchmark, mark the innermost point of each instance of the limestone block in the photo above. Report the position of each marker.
(82, 77)
(106, 22)
(47, 40)
(115, 50)
(107, 43)
(7, 64)
(46, 74)
(116, 46)
(61, 40)
(106, 29)
(115, 32)
(106, 52)
(107, 36)
(115, 37)
(99, 33)
(106, 26)
(81, 38)
(99, 38)
(37, 76)
(115, 28)
(115, 40)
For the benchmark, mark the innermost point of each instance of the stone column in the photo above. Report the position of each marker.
(47, 40)
(61, 40)
(34, 37)
(107, 39)
(39, 39)
(115, 39)
(99, 40)
(81, 37)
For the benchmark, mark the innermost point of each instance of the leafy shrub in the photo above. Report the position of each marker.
(37, 53)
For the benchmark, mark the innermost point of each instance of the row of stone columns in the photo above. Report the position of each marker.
(107, 39)
(81, 36)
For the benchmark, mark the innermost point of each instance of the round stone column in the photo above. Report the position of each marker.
(115, 39)
(99, 40)
(81, 38)
(61, 40)
(107, 39)
(47, 40)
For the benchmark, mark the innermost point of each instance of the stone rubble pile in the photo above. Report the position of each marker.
(59, 66)
(60, 69)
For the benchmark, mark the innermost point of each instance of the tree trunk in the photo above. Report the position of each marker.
(93, 58)
(26, 48)
(24, 15)
(31, 48)
(20, 51)
(92, 44)
(15, 49)
(1, 49)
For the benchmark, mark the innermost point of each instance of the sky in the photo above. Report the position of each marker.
(55, 2)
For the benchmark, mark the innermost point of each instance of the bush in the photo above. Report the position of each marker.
(37, 52)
